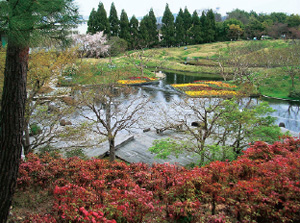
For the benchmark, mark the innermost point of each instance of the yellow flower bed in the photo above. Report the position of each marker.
(212, 93)
(188, 85)
(220, 84)
(131, 81)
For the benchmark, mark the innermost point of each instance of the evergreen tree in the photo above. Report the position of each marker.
(92, 22)
(124, 26)
(254, 28)
(238, 14)
(144, 34)
(114, 21)
(195, 32)
(134, 32)
(102, 20)
(98, 20)
(168, 28)
(205, 26)
(211, 30)
(187, 20)
(23, 22)
(152, 28)
(179, 29)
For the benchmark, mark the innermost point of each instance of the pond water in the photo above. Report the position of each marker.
(162, 93)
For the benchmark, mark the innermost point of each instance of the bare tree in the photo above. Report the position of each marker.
(216, 127)
(44, 70)
(140, 59)
(114, 109)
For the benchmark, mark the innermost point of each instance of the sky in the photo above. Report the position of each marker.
(139, 8)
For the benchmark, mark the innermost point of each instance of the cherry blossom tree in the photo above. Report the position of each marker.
(92, 45)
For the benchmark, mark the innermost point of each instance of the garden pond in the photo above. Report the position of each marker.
(286, 112)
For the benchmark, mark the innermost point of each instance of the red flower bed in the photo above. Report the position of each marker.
(263, 185)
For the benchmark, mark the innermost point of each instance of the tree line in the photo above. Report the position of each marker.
(185, 28)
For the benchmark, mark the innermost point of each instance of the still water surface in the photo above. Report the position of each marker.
(162, 93)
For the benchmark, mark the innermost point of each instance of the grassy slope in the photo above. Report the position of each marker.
(205, 56)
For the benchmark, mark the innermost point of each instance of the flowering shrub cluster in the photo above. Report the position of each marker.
(137, 80)
(208, 89)
(263, 185)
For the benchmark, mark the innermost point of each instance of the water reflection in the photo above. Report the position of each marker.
(163, 94)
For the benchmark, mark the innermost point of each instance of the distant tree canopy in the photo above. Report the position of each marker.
(185, 28)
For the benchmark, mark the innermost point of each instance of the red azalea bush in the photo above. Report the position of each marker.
(263, 185)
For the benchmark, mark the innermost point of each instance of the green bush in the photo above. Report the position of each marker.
(35, 129)
(70, 70)
(53, 152)
(76, 152)
(295, 94)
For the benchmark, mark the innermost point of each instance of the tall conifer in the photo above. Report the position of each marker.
(211, 30)
(152, 28)
(124, 26)
(102, 20)
(92, 22)
(114, 21)
(179, 29)
(187, 21)
(195, 32)
(134, 32)
(168, 28)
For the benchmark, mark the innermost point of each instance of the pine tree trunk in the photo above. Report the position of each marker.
(12, 123)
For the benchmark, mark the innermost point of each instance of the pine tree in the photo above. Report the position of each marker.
(114, 21)
(92, 22)
(24, 22)
(168, 28)
(195, 32)
(124, 26)
(179, 29)
(134, 32)
(187, 21)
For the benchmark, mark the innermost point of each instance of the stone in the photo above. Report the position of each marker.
(63, 122)
(281, 124)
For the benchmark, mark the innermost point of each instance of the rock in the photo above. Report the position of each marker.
(196, 124)
(68, 100)
(146, 130)
(53, 109)
(63, 122)
(281, 124)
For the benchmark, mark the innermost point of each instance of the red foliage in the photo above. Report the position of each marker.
(263, 185)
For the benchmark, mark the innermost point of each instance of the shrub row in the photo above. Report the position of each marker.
(263, 185)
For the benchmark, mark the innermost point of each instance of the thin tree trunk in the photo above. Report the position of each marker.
(12, 123)
(26, 145)
(112, 149)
